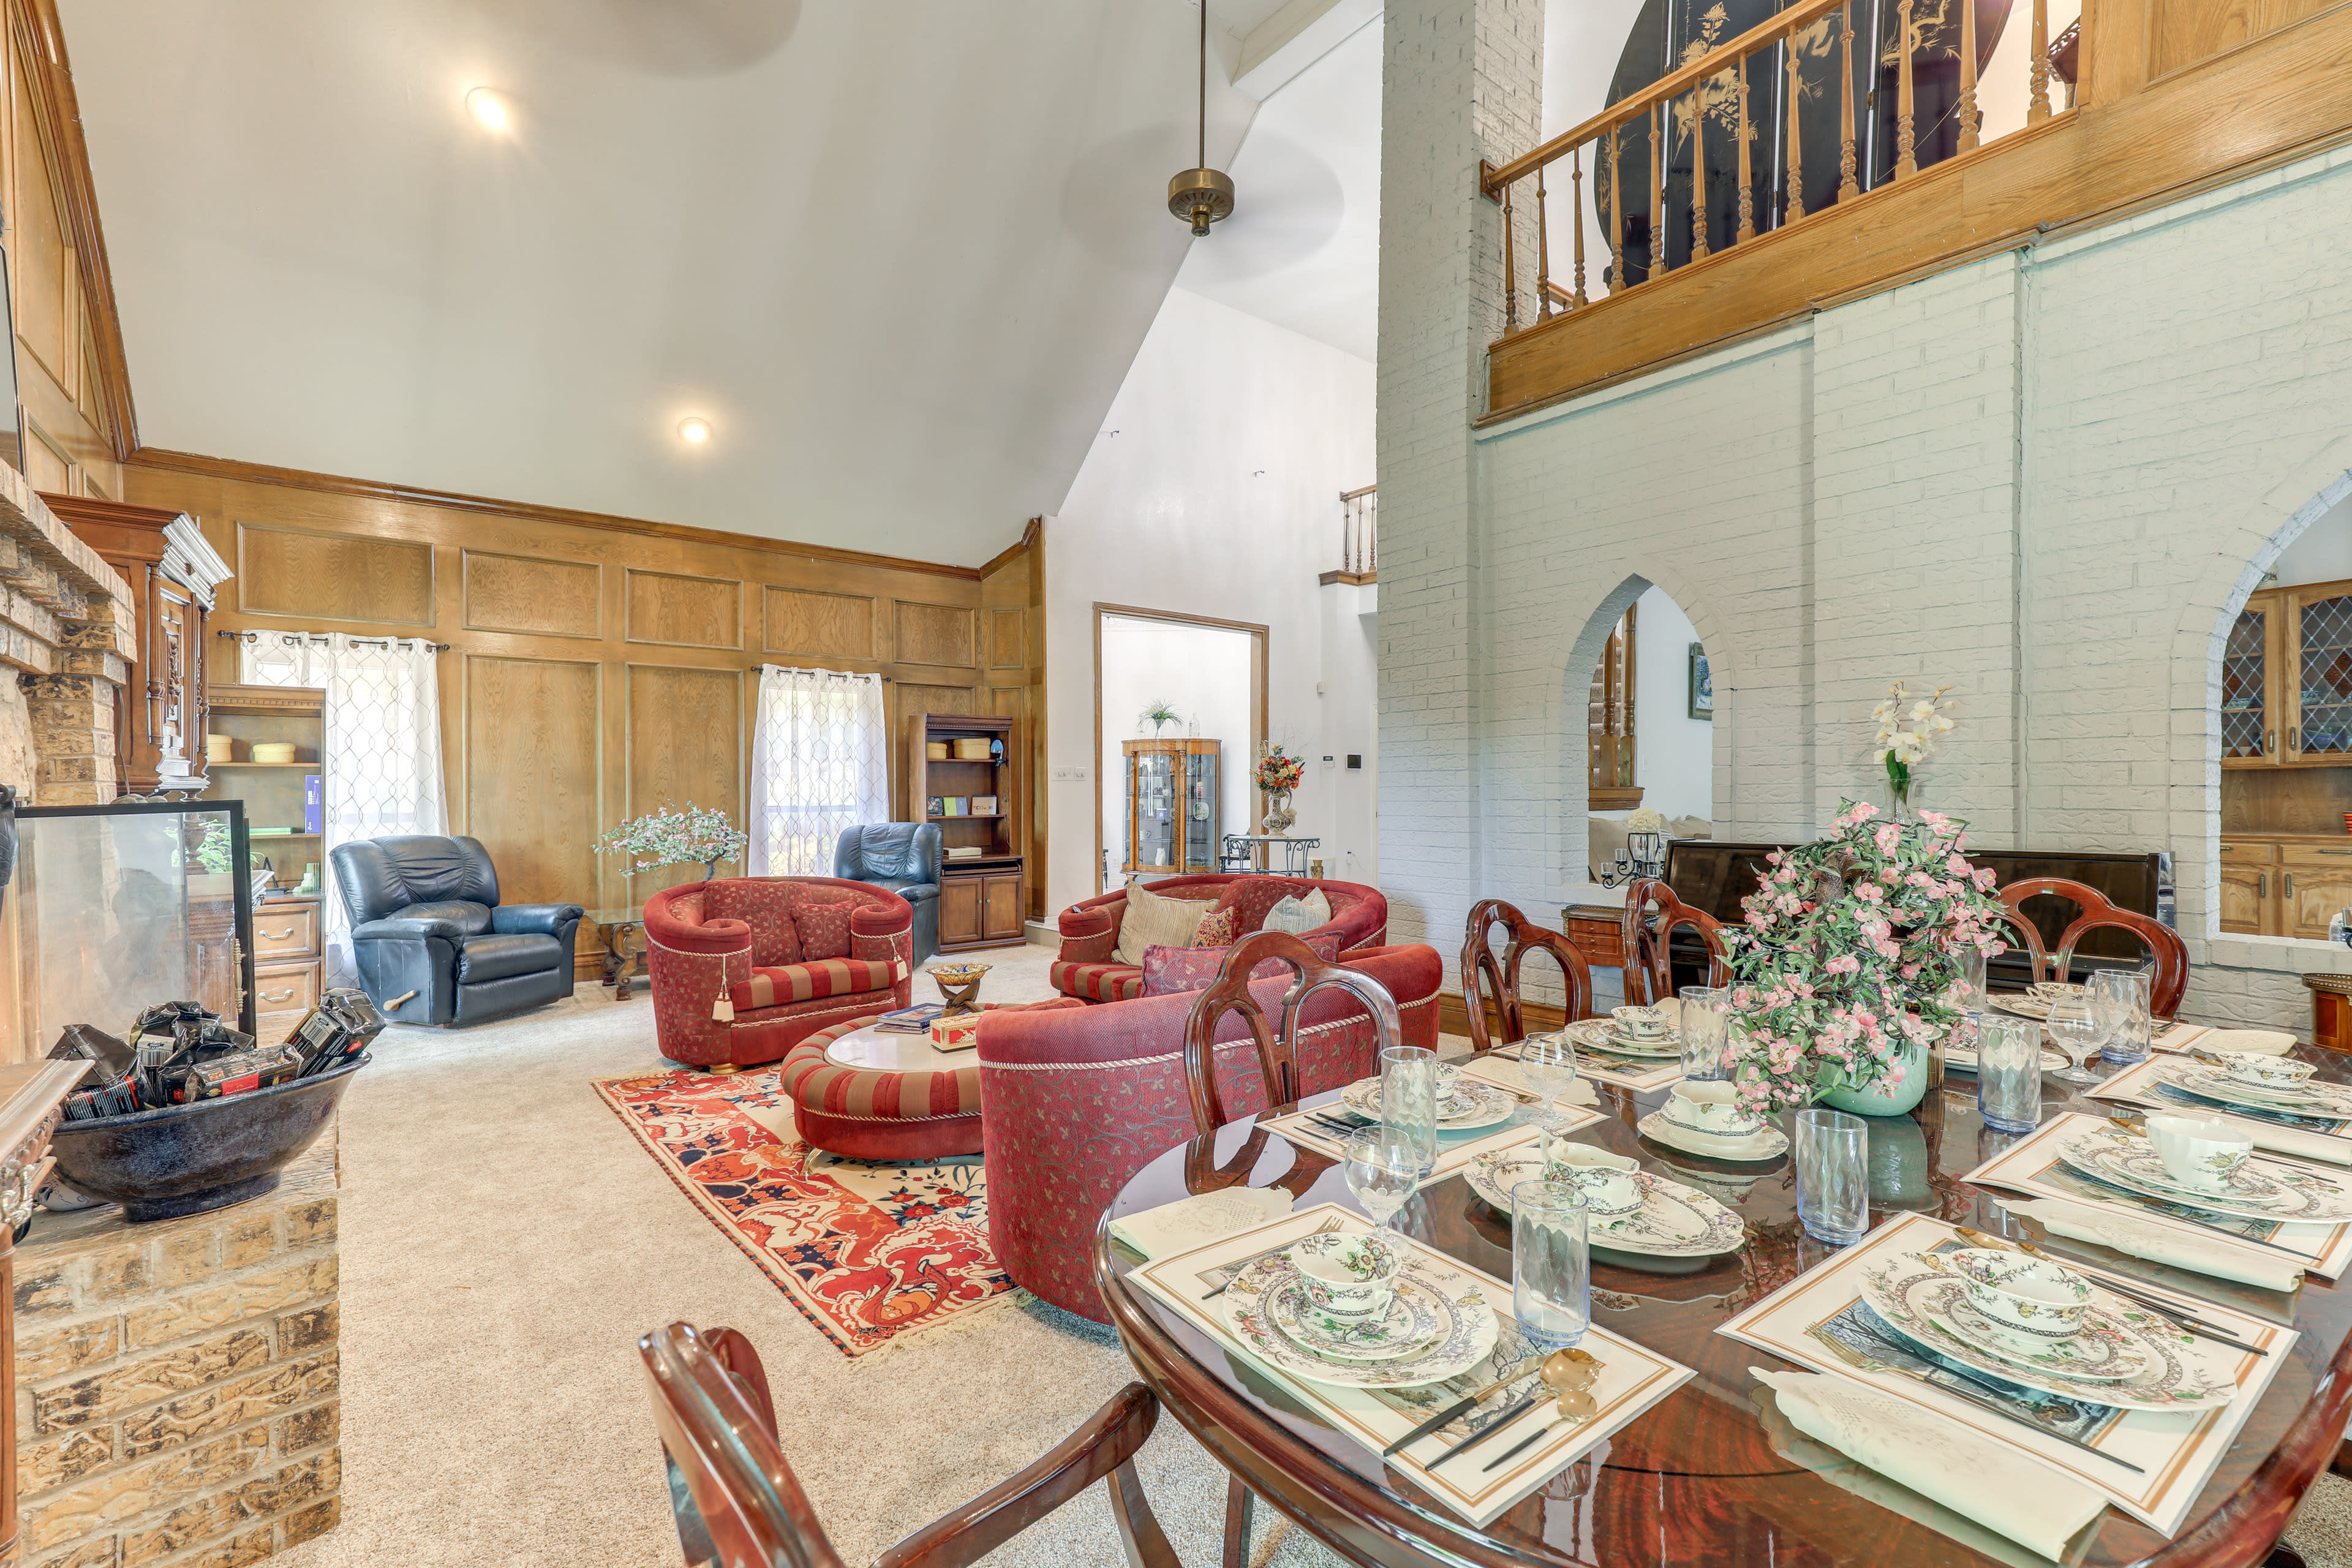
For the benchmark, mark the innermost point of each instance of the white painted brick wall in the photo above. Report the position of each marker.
(2047, 478)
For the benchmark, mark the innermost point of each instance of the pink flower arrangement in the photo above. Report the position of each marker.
(1850, 952)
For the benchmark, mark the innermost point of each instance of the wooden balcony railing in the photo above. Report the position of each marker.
(1360, 540)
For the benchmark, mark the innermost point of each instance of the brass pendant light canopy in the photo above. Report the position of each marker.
(1201, 196)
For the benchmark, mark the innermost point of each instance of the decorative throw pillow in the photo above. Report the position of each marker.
(1215, 930)
(1169, 969)
(1154, 919)
(823, 930)
(1296, 915)
(1248, 898)
(766, 906)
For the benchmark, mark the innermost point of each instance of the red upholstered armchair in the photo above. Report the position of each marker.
(745, 967)
(1089, 969)
(1075, 1100)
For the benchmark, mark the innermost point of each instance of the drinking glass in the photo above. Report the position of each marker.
(1409, 1098)
(1551, 1272)
(2119, 1001)
(1971, 984)
(1383, 1170)
(1548, 1064)
(1706, 1027)
(1832, 1175)
(2008, 1073)
(2074, 1029)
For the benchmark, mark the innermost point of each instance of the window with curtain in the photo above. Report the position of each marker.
(819, 764)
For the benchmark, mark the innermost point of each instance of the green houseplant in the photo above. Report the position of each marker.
(671, 837)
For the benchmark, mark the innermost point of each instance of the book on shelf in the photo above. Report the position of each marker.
(966, 851)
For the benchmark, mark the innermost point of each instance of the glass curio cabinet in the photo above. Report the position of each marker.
(1173, 824)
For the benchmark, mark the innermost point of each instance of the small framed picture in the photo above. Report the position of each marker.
(934, 808)
(1701, 685)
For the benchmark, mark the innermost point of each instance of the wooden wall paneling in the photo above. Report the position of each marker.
(683, 611)
(686, 745)
(316, 577)
(814, 623)
(1005, 638)
(37, 254)
(932, 634)
(531, 594)
(530, 768)
(2183, 32)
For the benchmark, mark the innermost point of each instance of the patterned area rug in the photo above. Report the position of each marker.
(867, 1251)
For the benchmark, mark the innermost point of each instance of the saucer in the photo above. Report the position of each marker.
(1671, 1221)
(2270, 1192)
(1769, 1143)
(1468, 1337)
(1600, 1035)
(1411, 1322)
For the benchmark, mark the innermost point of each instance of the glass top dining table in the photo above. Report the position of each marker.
(1712, 1474)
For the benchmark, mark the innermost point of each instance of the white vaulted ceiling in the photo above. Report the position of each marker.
(899, 253)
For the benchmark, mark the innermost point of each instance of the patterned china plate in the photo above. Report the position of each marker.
(1903, 1290)
(1470, 1105)
(2022, 1006)
(1673, 1221)
(2107, 1351)
(1469, 1335)
(1600, 1035)
(2311, 1099)
(1415, 1317)
(2270, 1192)
(1770, 1144)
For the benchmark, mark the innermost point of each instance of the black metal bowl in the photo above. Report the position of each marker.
(185, 1159)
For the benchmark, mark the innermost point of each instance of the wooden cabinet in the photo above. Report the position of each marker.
(159, 712)
(1597, 931)
(282, 801)
(2286, 679)
(1001, 906)
(288, 964)
(2285, 886)
(1174, 823)
(980, 907)
(2248, 871)
(2314, 883)
(973, 798)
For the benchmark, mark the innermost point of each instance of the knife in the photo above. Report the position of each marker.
(1503, 1417)
(1455, 1411)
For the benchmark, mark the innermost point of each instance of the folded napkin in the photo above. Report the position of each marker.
(2180, 1036)
(2138, 1237)
(1996, 1484)
(1188, 1222)
(2253, 1042)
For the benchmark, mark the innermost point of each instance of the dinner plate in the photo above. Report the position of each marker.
(2178, 1378)
(1470, 1105)
(2022, 1006)
(1600, 1035)
(1471, 1329)
(2105, 1351)
(1673, 1221)
(2310, 1099)
(1414, 1319)
(2256, 1190)
(1770, 1144)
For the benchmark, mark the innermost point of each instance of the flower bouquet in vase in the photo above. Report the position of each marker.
(1276, 777)
(1909, 729)
(674, 837)
(1846, 969)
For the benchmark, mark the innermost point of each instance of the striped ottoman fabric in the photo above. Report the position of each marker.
(880, 1115)
(783, 985)
(1097, 981)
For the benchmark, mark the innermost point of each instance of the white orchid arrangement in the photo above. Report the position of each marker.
(1909, 729)
(1644, 820)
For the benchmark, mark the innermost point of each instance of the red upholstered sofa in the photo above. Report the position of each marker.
(744, 968)
(1075, 1100)
(1088, 969)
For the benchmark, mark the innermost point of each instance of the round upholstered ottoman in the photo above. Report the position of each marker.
(882, 1097)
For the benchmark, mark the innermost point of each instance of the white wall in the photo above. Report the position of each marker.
(1213, 490)
(1674, 753)
(1203, 672)
(2324, 553)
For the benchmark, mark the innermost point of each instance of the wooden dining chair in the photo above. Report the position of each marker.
(2166, 987)
(1482, 971)
(737, 1504)
(1277, 1047)
(1648, 942)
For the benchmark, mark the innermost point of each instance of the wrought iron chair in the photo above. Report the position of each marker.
(2170, 954)
(1481, 972)
(737, 1502)
(1278, 1054)
(1649, 976)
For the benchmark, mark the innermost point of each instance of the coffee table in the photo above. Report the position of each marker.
(874, 1049)
(884, 1097)
(621, 963)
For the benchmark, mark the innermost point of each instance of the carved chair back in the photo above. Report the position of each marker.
(2166, 987)
(1482, 973)
(1277, 1053)
(1647, 940)
(737, 1502)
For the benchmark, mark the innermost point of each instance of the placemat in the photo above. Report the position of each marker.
(1453, 1155)
(2281, 1133)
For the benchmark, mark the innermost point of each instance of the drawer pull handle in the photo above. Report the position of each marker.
(2263, 886)
(277, 935)
(2290, 884)
(2337, 852)
(285, 996)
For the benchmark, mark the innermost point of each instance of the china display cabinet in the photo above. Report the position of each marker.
(1173, 821)
(2286, 761)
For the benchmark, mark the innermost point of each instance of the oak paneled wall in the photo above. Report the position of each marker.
(598, 670)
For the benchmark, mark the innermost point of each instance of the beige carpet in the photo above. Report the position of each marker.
(505, 1241)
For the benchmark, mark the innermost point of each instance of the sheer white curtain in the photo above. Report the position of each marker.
(381, 763)
(819, 764)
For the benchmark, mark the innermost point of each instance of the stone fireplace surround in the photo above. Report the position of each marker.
(67, 621)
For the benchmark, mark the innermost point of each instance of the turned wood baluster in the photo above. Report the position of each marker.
(1747, 193)
(1662, 117)
(2037, 109)
(1700, 214)
(1616, 218)
(1904, 163)
(1796, 207)
(1847, 188)
(1969, 119)
(1510, 278)
(1543, 252)
(1576, 188)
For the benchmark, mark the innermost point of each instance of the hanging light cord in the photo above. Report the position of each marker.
(1203, 120)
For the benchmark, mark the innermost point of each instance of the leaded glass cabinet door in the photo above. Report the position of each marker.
(1201, 839)
(1153, 812)
(2321, 724)
(2247, 722)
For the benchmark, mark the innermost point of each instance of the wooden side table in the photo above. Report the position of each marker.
(621, 963)
(1596, 931)
(2331, 1011)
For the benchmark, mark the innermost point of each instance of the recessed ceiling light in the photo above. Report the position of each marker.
(694, 431)
(488, 107)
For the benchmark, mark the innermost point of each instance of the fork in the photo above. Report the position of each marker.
(1862, 1361)
(1330, 1225)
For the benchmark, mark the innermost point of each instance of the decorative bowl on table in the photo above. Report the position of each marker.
(959, 986)
(2021, 1294)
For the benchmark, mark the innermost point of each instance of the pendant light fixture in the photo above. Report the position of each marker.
(1202, 196)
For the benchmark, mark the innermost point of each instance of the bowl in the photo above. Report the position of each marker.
(186, 1159)
(1606, 1180)
(1640, 1022)
(2199, 1151)
(2270, 1072)
(2022, 1295)
(1348, 1274)
(1712, 1107)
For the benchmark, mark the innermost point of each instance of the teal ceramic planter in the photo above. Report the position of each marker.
(1875, 1099)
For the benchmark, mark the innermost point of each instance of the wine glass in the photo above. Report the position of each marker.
(2076, 1030)
(1548, 1064)
(1383, 1166)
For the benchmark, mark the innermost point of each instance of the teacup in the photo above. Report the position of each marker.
(2269, 1072)
(1448, 1075)
(2199, 1152)
(1347, 1275)
(1713, 1107)
(2028, 1297)
(1640, 1022)
(1605, 1179)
